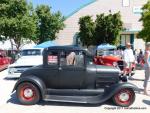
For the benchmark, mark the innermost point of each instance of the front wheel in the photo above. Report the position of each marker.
(28, 93)
(124, 97)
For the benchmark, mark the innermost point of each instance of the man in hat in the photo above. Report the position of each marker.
(129, 58)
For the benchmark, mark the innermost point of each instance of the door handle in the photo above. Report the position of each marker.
(59, 68)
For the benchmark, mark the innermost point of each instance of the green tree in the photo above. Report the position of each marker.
(17, 22)
(145, 33)
(87, 27)
(107, 28)
(49, 24)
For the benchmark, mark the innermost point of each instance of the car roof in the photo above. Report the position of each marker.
(75, 48)
(32, 49)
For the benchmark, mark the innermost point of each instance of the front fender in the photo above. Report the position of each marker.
(109, 92)
(32, 79)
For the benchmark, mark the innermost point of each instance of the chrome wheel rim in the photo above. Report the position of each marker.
(28, 93)
(124, 97)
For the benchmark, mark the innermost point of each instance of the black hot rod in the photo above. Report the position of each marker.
(67, 75)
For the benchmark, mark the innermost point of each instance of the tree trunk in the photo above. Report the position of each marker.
(11, 41)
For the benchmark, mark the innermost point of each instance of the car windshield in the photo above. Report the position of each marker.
(31, 52)
(109, 52)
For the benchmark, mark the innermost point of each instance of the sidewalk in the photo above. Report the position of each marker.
(138, 79)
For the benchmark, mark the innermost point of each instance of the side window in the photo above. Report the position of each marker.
(52, 58)
(72, 58)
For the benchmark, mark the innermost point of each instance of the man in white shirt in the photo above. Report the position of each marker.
(128, 57)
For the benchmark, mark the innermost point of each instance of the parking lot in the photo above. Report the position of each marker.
(9, 103)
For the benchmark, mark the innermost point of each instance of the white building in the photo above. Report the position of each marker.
(130, 11)
(6, 45)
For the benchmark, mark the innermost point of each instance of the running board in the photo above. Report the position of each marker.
(91, 96)
(74, 92)
(72, 99)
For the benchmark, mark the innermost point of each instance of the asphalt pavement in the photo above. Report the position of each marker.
(9, 103)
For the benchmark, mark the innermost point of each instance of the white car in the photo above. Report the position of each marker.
(29, 58)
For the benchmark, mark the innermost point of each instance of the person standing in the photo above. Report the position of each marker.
(129, 58)
(140, 56)
(147, 67)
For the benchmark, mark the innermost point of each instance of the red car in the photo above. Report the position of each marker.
(4, 60)
(109, 57)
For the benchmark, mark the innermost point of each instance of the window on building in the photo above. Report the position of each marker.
(125, 39)
(126, 3)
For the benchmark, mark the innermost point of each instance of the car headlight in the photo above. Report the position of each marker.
(11, 70)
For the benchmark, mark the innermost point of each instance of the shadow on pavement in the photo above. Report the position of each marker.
(14, 100)
(146, 102)
(44, 103)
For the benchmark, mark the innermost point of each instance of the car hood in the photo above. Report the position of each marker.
(106, 69)
(109, 58)
(28, 61)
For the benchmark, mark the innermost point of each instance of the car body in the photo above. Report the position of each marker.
(108, 57)
(28, 58)
(4, 60)
(67, 75)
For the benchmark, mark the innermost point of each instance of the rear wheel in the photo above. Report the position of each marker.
(28, 93)
(124, 97)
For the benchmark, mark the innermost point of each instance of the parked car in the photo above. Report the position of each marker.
(4, 60)
(67, 76)
(107, 55)
(28, 58)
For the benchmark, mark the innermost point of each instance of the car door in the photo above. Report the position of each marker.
(72, 76)
(51, 69)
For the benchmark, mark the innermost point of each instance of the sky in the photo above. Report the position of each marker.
(66, 7)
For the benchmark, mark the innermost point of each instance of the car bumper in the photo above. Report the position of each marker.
(15, 72)
(13, 75)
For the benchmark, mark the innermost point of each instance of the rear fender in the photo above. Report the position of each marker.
(32, 79)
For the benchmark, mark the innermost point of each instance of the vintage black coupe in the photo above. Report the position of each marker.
(68, 75)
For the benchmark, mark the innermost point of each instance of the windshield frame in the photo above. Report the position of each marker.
(106, 52)
(31, 52)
